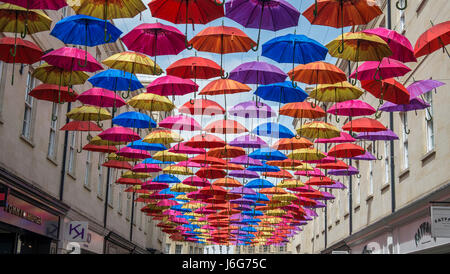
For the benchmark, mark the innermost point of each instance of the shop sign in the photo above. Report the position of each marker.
(77, 231)
(3, 195)
(440, 221)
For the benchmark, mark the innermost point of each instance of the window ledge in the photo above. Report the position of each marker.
(71, 175)
(99, 197)
(346, 215)
(52, 160)
(357, 207)
(428, 155)
(88, 188)
(337, 222)
(369, 198)
(27, 141)
(384, 187)
(403, 173)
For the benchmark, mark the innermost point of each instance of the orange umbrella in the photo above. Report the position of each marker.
(389, 90)
(228, 166)
(292, 143)
(222, 40)
(207, 160)
(205, 141)
(317, 73)
(364, 125)
(225, 127)
(346, 150)
(226, 152)
(279, 174)
(224, 86)
(302, 110)
(285, 163)
(273, 190)
(227, 182)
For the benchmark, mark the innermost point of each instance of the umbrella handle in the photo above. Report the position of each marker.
(402, 7)
(225, 76)
(294, 84)
(378, 114)
(337, 119)
(85, 60)
(127, 94)
(25, 28)
(99, 124)
(407, 130)
(358, 175)
(188, 46)
(314, 105)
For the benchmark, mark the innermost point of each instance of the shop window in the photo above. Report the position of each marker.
(28, 116)
(178, 249)
(429, 122)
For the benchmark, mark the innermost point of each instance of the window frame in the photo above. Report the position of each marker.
(53, 142)
(429, 124)
(405, 141)
(88, 170)
(30, 109)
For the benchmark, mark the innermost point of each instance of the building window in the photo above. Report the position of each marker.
(64, 12)
(358, 186)
(370, 188)
(167, 251)
(29, 104)
(87, 173)
(111, 191)
(51, 151)
(251, 249)
(404, 117)
(178, 249)
(402, 17)
(266, 249)
(128, 206)
(238, 250)
(191, 250)
(72, 153)
(100, 176)
(119, 200)
(386, 162)
(429, 121)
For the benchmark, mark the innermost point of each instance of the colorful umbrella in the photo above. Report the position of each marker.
(53, 93)
(180, 122)
(39, 4)
(225, 127)
(282, 93)
(248, 141)
(205, 141)
(421, 87)
(69, 59)
(273, 130)
(389, 90)
(201, 107)
(318, 129)
(171, 85)
(433, 39)
(364, 125)
(346, 151)
(317, 73)
(257, 73)
(133, 119)
(352, 108)
(101, 97)
(292, 143)
(163, 137)
(252, 109)
(119, 134)
(151, 102)
(387, 68)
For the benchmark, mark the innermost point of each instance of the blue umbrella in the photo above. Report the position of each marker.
(134, 119)
(154, 161)
(284, 92)
(179, 207)
(253, 213)
(259, 183)
(296, 49)
(258, 197)
(166, 178)
(149, 147)
(255, 221)
(249, 229)
(274, 130)
(268, 154)
(116, 80)
(264, 168)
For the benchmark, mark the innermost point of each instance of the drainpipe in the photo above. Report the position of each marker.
(132, 217)
(350, 182)
(108, 175)
(326, 202)
(391, 124)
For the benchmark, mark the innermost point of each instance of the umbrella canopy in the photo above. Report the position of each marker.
(134, 119)
(435, 38)
(352, 108)
(114, 79)
(40, 5)
(343, 138)
(133, 62)
(292, 143)
(225, 127)
(101, 97)
(108, 10)
(132, 153)
(346, 151)
(421, 87)
(17, 19)
(267, 154)
(284, 92)
(273, 130)
(70, 59)
(183, 148)
(259, 183)
(53, 93)
(224, 86)
(257, 73)
(89, 113)
(171, 85)
(165, 155)
(163, 137)
(385, 135)
(317, 73)
(243, 174)
(81, 126)
(364, 125)
(180, 122)
(318, 130)
(248, 141)
(387, 68)
(245, 160)
(49, 74)
(306, 154)
(201, 107)
(389, 90)
(194, 68)
(226, 152)
(414, 104)
(302, 110)
(26, 52)
(205, 141)
(119, 134)
(252, 109)
(151, 102)
(146, 146)
(338, 92)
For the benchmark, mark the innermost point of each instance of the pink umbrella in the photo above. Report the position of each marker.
(119, 134)
(155, 39)
(172, 85)
(190, 164)
(180, 122)
(39, 4)
(352, 108)
(387, 68)
(132, 153)
(149, 185)
(101, 98)
(343, 138)
(71, 58)
(167, 203)
(196, 181)
(143, 167)
(400, 45)
(183, 148)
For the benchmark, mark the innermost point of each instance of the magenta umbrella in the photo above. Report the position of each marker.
(70, 59)
(119, 134)
(196, 181)
(180, 122)
(149, 185)
(351, 108)
(143, 167)
(183, 148)
(400, 45)
(101, 97)
(310, 173)
(172, 85)
(190, 164)
(387, 68)
(133, 153)
(38, 4)
(167, 202)
(343, 138)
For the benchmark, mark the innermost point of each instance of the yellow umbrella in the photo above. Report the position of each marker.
(291, 183)
(201, 230)
(89, 113)
(57, 76)
(151, 102)
(133, 62)
(183, 197)
(266, 228)
(114, 156)
(359, 46)
(180, 187)
(179, 170)
(284, 197)
(338, 92)
(274, 220)
(199, 223)
(136, 175)
(193, 205)
(17, 19)
(278, 204)
(165, 155)
(307, 154)
(163, 137)
(194, 214)
(302, 167)
(319, 130)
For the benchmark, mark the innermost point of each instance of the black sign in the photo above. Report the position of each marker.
(3, 195)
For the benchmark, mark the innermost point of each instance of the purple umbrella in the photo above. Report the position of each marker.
(312, 173)
(387, 68)
(414, 104)
(421, 87)
(252, 109)
(400, 45)
(242, 201)
(310, 212)
(245, 160)
(385, 135)
(258, 73)
(366, 157)
(271, 15)
(243, 207)
(248, 141)
(243, 191)
(342, 172)
(243, 174)
(336, 185)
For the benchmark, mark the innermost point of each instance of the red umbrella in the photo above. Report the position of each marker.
(81, 126)
(128, 181)
(149, 185)
(211, 173)
(194, 68)
(132, 153)
(319, 181)
(388, 89)
(103, 149)
(433, 39)
(205, 141)
(201, 107)
(53, 93)
(225, 127)
(213, 190)
(117, 164)
(346, 150)
(364, 125)
(196, 181)
(279, 174)
(208, 160)
(333, 165)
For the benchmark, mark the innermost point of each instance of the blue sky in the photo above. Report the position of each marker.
(321, 34)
